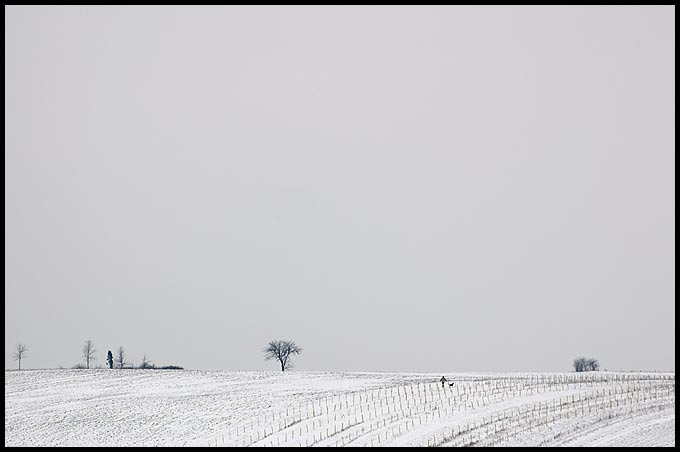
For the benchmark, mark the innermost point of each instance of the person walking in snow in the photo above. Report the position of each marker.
(443, 380)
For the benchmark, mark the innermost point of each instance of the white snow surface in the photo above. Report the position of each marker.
(102, 407)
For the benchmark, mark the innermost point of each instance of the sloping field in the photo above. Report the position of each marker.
(215, 408)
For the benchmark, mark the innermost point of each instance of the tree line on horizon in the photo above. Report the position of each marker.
(279, 350)
(118, 361)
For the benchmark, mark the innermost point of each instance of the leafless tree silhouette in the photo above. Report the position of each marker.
(88, 353)
(579, 364)
(19, 353)
(146, 364)
(282, 350)
(120, 357)
(592, 364)
(586, 364)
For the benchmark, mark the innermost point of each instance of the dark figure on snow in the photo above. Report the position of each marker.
(109, 359)
(443, 380)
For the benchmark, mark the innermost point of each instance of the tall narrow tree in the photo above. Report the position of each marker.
(88, 352)
(120, 357)
(20, 353)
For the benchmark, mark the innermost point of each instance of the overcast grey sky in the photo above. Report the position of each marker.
(395, 188)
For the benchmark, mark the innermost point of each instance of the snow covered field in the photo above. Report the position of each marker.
(216, 408)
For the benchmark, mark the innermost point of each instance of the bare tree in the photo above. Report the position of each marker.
(19, 353)
(586, 364)
(592, 364)
(282, 351)
(120, 357)
(146, 364)
(88, 353)
(580, 364)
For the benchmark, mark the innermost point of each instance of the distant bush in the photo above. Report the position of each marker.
(169, 368)
(79, 366)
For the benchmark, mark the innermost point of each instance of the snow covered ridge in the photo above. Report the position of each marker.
(215, 408)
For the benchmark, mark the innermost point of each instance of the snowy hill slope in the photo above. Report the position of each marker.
(215, 408)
